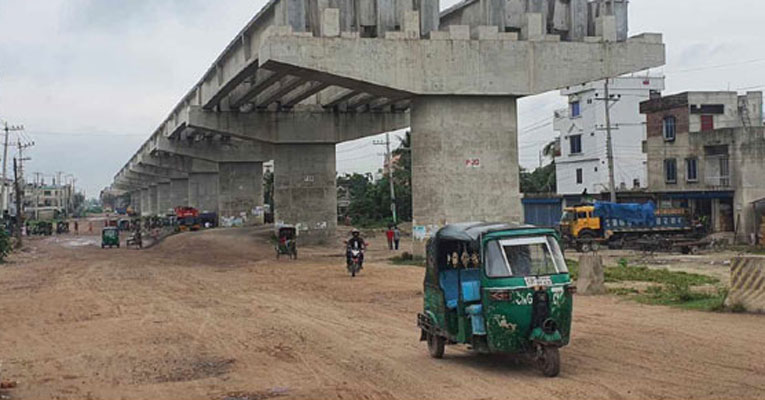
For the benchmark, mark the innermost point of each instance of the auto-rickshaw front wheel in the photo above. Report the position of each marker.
(548, 360)
(436, 345)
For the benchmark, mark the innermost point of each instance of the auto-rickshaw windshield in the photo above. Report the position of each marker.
(110, 233)
(526, 256)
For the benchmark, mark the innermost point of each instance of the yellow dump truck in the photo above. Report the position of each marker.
(586, 227)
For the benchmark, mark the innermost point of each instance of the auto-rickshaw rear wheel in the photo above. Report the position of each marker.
(548, 360)
(436, 345)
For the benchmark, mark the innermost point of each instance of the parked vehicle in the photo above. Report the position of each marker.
(110, 236)
(588, 226)
(500, 289)
(286, 241)
(188, 219)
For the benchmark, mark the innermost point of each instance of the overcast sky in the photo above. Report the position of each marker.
(91, 79)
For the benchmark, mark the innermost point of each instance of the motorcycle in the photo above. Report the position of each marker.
(355, 265)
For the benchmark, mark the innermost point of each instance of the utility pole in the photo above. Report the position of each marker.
(389, 161)
(19, 211)
(390, 179)
(8, 130)
(609, 145)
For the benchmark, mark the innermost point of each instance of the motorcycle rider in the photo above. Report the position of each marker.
(355, 242)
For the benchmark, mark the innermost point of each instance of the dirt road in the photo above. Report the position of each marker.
(206, 315)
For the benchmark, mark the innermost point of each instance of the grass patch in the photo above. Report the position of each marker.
(407, 258)
(663, 276)
(673, 288)
(683, 297)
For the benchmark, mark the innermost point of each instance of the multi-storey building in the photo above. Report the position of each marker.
(582, 163)
(706, 152)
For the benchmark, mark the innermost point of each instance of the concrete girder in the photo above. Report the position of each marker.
(262, 80)
(159, 172)
(310, 125)
(178, 163)
(222, 151)
(460, 67)
(305, 91)
(278, 90)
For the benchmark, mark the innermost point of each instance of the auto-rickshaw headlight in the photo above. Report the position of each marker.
(549, 326)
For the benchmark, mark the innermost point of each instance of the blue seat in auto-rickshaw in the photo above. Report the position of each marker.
(471, 293)
(449, 279)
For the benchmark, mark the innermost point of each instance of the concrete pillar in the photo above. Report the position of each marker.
(163, 198)
(203, 191)
(145, 206)
(240, 186)
(153, 199)
(135, 201)
(179, 192)
(305, 191)
(464, 162)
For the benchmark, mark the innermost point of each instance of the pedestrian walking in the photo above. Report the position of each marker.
(396, 236)
(389, 234)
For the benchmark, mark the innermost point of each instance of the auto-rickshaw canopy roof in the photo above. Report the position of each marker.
(471, 234)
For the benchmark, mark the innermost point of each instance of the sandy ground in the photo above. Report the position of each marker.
(212, 315)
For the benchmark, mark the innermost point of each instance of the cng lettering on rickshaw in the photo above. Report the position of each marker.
(523, 298)
(532, 281)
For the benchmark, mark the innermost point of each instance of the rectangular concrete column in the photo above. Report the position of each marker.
(464, 162)
(179, 193)
(145, 206)
(305, 191)
(203, 191)
(240, 186)
(135, 201)
(164, 205)
(153, 199)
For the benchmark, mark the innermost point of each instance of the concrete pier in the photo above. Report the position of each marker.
(153, 199)
(164, 205)
(179, 192)
(240, 187)
(305, 191)
(145, 207)
(464, 160)
(203, 191)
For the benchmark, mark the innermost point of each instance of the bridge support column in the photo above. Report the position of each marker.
(163, 198)
(153, 199)
(145, 206)
(179, 193)
(240, 186)
(464, 162)
(135, 201)
(305, 191)
(203, 191)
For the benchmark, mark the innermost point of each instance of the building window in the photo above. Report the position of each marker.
(692, 170)
(575, 111)
(579, 176)
(668, 128)
(576, 144)
(670, 170)
(636, 183)
(707, 123)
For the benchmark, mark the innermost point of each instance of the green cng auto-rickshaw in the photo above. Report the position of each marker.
(499, 288)
(110, 236)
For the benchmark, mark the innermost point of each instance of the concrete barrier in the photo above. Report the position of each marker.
(747, 283)
(591, 278)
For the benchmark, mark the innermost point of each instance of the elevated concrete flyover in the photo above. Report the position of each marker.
(304, 75)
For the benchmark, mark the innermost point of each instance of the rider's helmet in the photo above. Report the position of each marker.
(355, 232)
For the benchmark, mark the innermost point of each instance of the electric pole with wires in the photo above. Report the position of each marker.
(609, 142)
(8, 129)
(389, 162)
